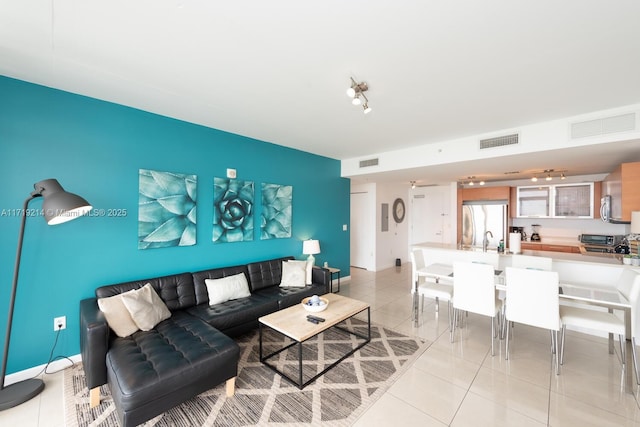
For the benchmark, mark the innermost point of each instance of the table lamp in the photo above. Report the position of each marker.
(310, 247)
(58, 206)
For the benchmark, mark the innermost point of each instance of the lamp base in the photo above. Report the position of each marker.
(18, 393)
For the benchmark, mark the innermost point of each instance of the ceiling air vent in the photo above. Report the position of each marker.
(499, 141)
(367, 163)
(622, 123)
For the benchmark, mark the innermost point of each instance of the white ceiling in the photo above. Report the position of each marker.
(277, 71)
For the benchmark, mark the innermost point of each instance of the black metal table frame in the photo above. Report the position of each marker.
(300, 383)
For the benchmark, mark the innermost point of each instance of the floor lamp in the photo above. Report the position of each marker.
(58, 206)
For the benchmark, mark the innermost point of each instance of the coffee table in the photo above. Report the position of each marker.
(292, 322)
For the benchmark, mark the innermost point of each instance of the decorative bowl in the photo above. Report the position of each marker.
(315, 308)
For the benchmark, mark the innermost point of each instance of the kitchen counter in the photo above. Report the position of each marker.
(589, 257)
(589, 269)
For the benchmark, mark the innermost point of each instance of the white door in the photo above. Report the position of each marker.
(430, 215)
(363, 231)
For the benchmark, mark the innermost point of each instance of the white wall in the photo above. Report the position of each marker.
(391, 244)
(362, 227)
(372, 248)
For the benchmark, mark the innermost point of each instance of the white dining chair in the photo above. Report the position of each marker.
(628, 284)
(474, 291)
(634, 299)
(426, 286)
(533, 299)
(530, 262)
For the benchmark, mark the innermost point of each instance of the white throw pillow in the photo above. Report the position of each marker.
(309, 269)
(117, 315)
(146, 308)
(293, 274)
(227, 288)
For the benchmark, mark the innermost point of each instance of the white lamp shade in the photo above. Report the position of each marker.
(311, 247)
(635, 222)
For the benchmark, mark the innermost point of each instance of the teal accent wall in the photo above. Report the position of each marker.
(95, 149)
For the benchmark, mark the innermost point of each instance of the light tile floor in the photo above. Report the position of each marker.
(455, 384)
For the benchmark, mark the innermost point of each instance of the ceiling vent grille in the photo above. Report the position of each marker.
(368, 163)
(614, 124)
(499, 141)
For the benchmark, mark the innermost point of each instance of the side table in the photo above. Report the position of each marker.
(333, 271)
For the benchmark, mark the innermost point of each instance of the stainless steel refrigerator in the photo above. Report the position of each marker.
(481, 216)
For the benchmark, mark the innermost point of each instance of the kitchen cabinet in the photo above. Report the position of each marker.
(556, 201)
(480, 193)
(622, 186)
(534, 201)
(549, 247)
(573, 200)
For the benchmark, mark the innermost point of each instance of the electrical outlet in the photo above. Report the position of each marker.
(59, 323)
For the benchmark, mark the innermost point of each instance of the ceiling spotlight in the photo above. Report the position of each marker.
(534, 179)
(548, 178)
(351, 92)
(562, 176)
(481, 182)
(356, 91)
(413, 184)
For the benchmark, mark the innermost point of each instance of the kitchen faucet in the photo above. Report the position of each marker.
(485, 242)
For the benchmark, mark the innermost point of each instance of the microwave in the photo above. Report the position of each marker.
(610, 206)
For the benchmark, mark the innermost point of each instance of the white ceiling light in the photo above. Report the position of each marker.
(356, 91)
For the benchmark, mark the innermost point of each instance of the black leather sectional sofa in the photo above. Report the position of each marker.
(192, 351)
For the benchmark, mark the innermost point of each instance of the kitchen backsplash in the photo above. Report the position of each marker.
(569, 228)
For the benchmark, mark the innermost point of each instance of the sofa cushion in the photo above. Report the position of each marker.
(199, 277)
(227, 288)
(293, 274)
(117, 315)
(265, 273)
(177, 290)
(146, 307)
(229, 314)
(287, 297)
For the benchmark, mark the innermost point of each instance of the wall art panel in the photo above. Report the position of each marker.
(276, 211)
(233, 201)
(166, 209)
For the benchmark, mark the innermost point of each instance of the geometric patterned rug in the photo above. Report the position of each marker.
(263, 397)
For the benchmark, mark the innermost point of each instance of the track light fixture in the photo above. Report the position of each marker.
(356, 92)
(548, 174)
(413, 184)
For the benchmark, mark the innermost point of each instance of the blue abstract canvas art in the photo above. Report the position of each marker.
(233, 201)
(166, 209)
(276, 211)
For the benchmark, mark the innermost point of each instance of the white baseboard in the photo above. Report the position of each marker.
(55, 366)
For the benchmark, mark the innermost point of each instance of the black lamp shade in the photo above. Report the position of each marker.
(60, 206)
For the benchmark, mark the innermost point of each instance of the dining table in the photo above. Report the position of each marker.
(569, 293)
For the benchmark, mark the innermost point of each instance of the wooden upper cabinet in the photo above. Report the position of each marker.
(622, 185)
(485, 193)
(480, 193)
